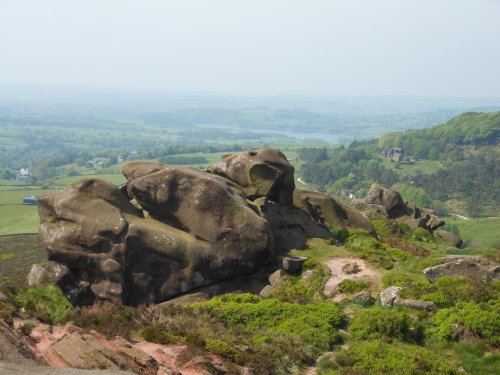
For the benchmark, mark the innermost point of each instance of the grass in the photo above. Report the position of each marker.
(320, 250)
(481, 232)
(115, 178)
(16, 219)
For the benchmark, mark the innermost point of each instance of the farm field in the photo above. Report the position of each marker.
(426, 166)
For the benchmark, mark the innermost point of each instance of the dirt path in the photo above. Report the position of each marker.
(301, 181)
(460, 216)
(337, 275)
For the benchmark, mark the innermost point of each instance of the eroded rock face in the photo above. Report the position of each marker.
(261, 173)
(169, 230)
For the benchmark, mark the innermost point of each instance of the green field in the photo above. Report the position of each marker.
(15, 196)
(426, 166)
(115, 178)
(482, 232)
(18, 219)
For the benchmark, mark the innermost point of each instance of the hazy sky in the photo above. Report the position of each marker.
(256, 47)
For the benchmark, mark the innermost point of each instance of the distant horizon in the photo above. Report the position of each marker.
(33, 87)
(318, 49)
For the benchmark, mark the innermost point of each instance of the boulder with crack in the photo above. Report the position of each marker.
(201, 231)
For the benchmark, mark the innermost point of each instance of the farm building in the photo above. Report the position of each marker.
(349, 193)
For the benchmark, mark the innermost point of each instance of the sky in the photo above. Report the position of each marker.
(432, 48)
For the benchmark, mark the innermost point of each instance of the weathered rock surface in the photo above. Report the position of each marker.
(170, 230)
(327, 211)
(14, 349)
(363, 298)
(261, 173)
(391, 297)
(113, 253)
(415, 304)
(292, 264)
(277, 278)
(36, 276)
(12, 369)
(201, 366)
(464, 266)
(290, 226)
(387, 203)
(268, 290)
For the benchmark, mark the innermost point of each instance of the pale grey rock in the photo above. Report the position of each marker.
(389, 295)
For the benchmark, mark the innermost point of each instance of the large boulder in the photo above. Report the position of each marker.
(391, 200)
(261, 173)
(327, 211)
(464, 266)
(205, 232)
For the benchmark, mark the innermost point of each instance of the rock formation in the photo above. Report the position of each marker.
(387, 203)
(464, 266)
(261, 173)
(170, 230)
(391, 297)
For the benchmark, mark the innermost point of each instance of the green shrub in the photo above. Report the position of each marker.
(201, 328)
(352, 286)
(27, 327)
(314, 324)
(380, 358)
(297, 289)
(446, 291)
(109, 319)
(380, 323)
(223, 349)
(482, 319)
(414, 285)
(159, 334)
(46, 303)
(370, 249)
(6, 312)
